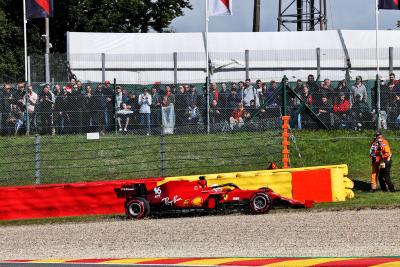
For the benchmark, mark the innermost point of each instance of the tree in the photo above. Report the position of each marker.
(9, 57)
(113, 16)
(82, 16)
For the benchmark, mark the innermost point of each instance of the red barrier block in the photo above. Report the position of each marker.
(313, 185)
(60, 200)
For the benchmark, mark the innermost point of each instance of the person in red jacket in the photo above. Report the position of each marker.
(341, 109)
(342, 106)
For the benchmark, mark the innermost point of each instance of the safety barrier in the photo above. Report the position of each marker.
(320, 184)
(61, 200)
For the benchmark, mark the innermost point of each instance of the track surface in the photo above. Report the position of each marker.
(362, 233)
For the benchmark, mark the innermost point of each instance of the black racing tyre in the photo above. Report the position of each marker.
(260, 203)
(137, 208)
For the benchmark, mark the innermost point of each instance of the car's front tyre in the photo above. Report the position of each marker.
(260, 203)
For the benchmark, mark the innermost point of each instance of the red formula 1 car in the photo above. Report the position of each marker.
(196, 195)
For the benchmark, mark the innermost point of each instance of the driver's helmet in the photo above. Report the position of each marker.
(203, 181)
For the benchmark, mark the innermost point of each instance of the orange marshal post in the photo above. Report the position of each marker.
(285, 142)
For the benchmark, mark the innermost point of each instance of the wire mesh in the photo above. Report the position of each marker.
(164, 121)
(17, 165)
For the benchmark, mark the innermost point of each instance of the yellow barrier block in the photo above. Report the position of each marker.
(348, 183)
(338, 190)
(245, 174)
(278, 180)
(349, 194)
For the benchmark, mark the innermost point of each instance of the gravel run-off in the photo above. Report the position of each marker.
(279, 234)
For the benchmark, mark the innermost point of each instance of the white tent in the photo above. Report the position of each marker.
(148, 57)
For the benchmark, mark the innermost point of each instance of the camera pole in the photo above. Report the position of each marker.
(25, 44)
(207, 69)
(46, 56)
(115, 108)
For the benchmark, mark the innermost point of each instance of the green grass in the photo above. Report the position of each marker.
(338, 147)
(73, 158)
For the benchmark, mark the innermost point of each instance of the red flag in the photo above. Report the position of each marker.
(39, 8)
(220, 7)
(389, 4)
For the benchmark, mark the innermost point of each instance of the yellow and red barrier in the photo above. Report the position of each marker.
(320, 184)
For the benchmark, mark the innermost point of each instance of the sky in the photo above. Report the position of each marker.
(342, 14)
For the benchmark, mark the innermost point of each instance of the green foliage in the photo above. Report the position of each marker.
(81, 16)
(10, 53)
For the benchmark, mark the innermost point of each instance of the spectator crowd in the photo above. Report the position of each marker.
(80, 108)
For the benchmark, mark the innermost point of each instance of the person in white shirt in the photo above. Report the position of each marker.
(118, 98)
(144, 111)
(30, 101)
(250, 93)
(123, 117)
(358, 89)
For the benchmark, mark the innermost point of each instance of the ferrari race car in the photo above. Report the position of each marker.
(182, 195)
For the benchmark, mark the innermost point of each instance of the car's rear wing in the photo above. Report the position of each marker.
(131, 190)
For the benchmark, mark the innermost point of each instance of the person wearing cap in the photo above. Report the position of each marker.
(381, 160)
(144, 102)
(358, 89)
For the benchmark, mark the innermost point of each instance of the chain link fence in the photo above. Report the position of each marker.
(60, 159)
(182, 109)
(167, 122)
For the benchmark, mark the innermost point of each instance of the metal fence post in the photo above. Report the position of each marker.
(318, 62)
(103, 67)
(175, 56)
(37, 159)
(390, 60)
(47, 55)
(115, 108)
(162, 152)
(29, 70)
(378, 102)
(284, 96)
(28, 124)
(47, 68)
(247, 63)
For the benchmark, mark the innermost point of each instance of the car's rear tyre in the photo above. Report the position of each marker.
(137, 208)
(260, 203)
